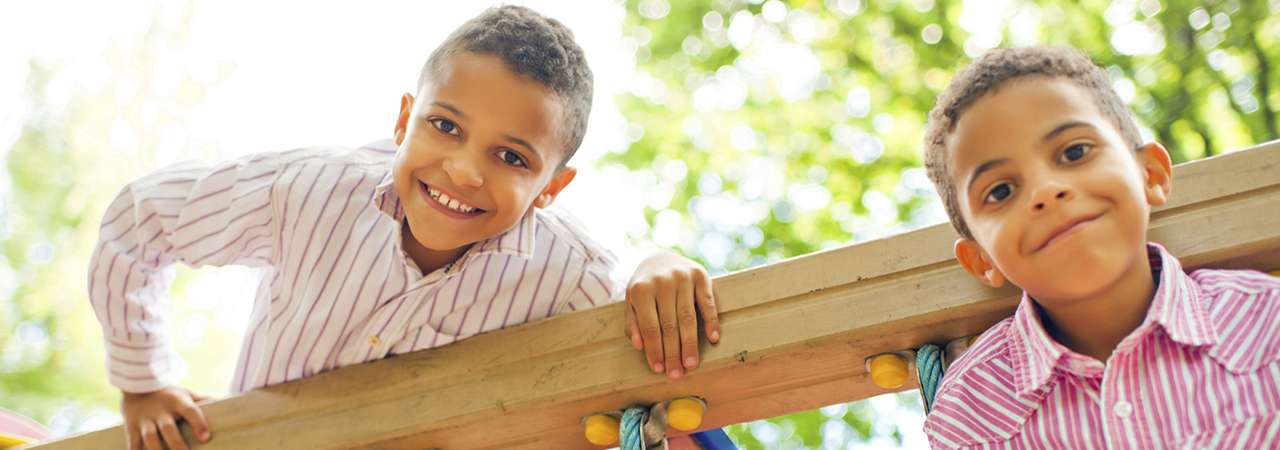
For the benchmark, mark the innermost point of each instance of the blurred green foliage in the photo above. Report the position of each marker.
(776, 128)
(76, 147)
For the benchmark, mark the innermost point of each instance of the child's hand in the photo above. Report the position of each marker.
(662, 318)
(150, 419)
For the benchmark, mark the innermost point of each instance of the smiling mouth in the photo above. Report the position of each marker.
(452, 204)
(1067, 229)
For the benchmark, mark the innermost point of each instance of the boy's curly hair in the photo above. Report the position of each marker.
(986, 75)
(531, 45)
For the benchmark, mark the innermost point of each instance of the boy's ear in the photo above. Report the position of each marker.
(558, 182)
(975, 260)
(406, 111)
(1157, 171)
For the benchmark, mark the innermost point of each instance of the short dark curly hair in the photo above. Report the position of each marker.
(531, 45)
(985, 76)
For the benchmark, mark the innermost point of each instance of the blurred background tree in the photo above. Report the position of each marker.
(754, 131)
(774, 128)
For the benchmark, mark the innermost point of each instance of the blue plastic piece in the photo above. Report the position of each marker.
(715, 439)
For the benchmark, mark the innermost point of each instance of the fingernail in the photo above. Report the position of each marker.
(204, 436)
(675, 374)
(715, 336)
(658, 368)
(690, 362)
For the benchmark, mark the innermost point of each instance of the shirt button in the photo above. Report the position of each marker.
(1077, 366)
(374, 340)
(1122, 409)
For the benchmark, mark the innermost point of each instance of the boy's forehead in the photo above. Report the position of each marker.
(1014, 118)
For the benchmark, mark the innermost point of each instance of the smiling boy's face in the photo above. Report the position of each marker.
(1056, 201)
(478, 148)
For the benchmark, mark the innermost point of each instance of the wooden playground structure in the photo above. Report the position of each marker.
(796, 335)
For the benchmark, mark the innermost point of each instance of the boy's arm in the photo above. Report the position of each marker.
(198, 215)
(665, 297)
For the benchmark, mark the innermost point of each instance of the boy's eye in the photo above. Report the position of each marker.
(445, 126)
(1075, 152)
(511, 158)
(999, 193)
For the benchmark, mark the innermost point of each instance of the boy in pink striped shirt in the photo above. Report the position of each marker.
(1046, 178)
(442, 233)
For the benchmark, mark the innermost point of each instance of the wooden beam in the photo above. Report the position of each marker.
(795, 336)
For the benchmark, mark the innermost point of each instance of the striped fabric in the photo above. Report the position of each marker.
(1202, 371)
(323, 224)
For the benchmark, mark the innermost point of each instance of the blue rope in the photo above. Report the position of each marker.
(629, 433)
(929, 366)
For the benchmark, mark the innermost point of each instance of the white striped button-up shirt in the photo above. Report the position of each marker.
(324, 224)
(1202, 371)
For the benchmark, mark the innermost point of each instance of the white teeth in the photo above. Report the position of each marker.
(449, 202)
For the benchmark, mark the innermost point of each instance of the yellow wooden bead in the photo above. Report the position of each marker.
(684, 414)
(889, 371)
(12, 441)
(602, 429)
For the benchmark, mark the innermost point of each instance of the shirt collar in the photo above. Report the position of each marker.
(518, 241)
(1175, 307)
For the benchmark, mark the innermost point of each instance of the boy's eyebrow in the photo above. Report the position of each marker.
(522, 143)
(1064, 127)
(451, 108)
(983, 168)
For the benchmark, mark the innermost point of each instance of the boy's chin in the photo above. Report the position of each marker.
(1073, 282)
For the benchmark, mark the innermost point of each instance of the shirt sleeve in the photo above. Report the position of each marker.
(596, 287)
(196, 214)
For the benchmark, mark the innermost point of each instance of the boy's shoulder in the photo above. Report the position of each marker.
(555, 223)
(376, 156)
(981, 383)
(1243, 307)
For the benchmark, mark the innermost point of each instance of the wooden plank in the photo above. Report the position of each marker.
(795, 335)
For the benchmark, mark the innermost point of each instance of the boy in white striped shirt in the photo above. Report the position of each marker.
(445, 232)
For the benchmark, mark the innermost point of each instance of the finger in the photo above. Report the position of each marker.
(647, 320)
(666, 301)
(134, 436)
(633, 329)
(169, 431)
(196, 397)
(707, 305)
(687, 319)
(194, 416)
(150, 437)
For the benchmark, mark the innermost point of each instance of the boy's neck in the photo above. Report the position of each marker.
(428, 260)
(1096, 325)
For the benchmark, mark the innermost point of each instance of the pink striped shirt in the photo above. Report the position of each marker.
(337, 287)
(1202, 371)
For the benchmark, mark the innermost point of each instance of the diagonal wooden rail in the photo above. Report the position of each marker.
(795, 336)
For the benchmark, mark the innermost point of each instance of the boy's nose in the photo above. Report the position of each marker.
(1048, 196)
(463, 171)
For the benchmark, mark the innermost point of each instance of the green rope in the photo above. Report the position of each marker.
(630, 437)
(929, 366)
